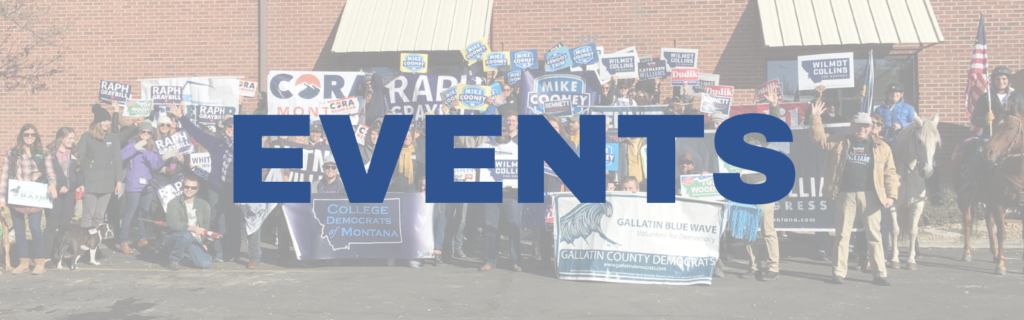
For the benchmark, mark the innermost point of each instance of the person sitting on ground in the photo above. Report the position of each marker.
(188, 217)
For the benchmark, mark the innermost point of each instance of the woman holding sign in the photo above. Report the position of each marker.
(142, 162)
(26, 165)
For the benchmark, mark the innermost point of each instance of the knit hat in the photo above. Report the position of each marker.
(861, 118)
(228, 121)
(718, 116)
(146, 125)
(99, 114)
(163, 119)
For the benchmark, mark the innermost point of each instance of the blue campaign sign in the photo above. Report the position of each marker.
(473, 97)
(557, 59)
(496, 60)
(414, 62)
(451, 96)
(623, 64)
(558, 108)
(611, 156)
(475, 51)
(577, 88)
(585, 55)
(523, 60)
(512, 77)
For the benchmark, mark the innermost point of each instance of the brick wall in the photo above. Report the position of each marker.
(130, 40)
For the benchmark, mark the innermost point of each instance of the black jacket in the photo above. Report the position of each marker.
(979, 118)
(73, 179)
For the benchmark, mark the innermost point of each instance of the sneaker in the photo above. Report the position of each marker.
(882, 281)
(414, 263)
(459, 253)
(485, 267)
(516, 268)
(769, 276)
(749, 274)
(837, 280)
(173, 266)
(218, 259)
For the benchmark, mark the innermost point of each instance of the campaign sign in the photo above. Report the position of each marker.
(137, 108)
(522, 60)
(361, 133)
(622, 64)
(451, 97)
(417, 94)
(834, 70)
(201, 160)
(473, 97)
(762, 91)
(165, 95)
(169, 191)
(704, 80)
(475, 50)
(179, 141)
(29, 194)
(496, 61)
(557, 59)
(629, 240)
(112, 91)
(679, 58)
(699, 187)
(247, 88)
(348, 105)
(413, 63)
(653, 70)
(716, 98)
(331, 227)
(684, 76)
(513, 77)
(585, 55)
(209, 114)
(307, 93)
(465, 175)
(611, 156)
(792, 112)
(559, 108)
(579, 88)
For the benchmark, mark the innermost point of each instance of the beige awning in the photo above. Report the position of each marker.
(412, 25)
(839, 22)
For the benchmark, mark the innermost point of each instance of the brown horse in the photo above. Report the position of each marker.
(1003, 185)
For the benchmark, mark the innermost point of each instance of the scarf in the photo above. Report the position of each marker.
(405, 161)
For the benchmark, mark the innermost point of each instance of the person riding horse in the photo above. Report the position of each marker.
(1002, 96)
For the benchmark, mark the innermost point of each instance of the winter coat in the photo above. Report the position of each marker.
(100, 161)
(979, 118)
(141, 167)
(218, 147)
(177, 213)
(883, 173)
(901, 112)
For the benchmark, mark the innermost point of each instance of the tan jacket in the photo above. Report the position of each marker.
(886, 182)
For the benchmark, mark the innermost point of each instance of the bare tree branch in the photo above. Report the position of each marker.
(31, 46)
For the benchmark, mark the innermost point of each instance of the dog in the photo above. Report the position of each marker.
(81, 239)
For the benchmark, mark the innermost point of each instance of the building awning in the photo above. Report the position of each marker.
(841, 22)
(412, 25)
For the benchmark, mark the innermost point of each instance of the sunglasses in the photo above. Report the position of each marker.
(230, 127)
(190, 188)
(145, 132)
(168, 125)
(29, 134)
(879, 124)
(330, 167)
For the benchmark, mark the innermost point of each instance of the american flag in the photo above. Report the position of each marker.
(977, 74)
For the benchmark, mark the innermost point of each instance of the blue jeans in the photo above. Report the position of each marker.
(255, 252)
(440, 223)
(504, 215)
(180, 242)
(454, 230)
(135, 202)
(216, 220)
(38, 245)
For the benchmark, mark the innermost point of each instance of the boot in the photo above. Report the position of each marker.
(142, 243)
(40, 267)
(22, 266)
(125, 248)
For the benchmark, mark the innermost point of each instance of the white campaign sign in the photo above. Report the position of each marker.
(629, 240)
(168, 192)
(29, 194)
(201, 160)
(214, 91)
(311, 93)
(834, 70)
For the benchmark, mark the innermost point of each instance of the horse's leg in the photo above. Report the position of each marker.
(990, 222)
(999, 216)
(968, 224)
(894, 237)
(915, 211)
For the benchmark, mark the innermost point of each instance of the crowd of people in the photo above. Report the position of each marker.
(114, 170)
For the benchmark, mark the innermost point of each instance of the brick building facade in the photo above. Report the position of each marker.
(126, 41)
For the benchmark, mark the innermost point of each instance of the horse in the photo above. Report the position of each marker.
(913, 154)
(1003, 185)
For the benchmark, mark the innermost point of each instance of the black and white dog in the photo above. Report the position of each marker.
(80, 239)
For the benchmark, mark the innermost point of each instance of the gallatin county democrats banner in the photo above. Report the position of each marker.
(631, 241)
(332, 228)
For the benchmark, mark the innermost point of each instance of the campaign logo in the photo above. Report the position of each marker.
(559, 87)
(451, 96)
(559, 108)
(307, 86)
(475, 50)
(513, 77)
(343, 223)
(557, 59)
(827, 69)
(584, 220)
(473, 97)
(496, 60)
(413, 62)
(609, 155)
(688, 181)
(584, 55)
(522, 60)
(681, 59)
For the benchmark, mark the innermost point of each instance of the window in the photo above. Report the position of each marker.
(888, 69)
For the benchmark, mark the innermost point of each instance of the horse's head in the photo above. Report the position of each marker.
(917, 143)
(1006, 138)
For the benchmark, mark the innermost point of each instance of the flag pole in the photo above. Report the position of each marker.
(990, 116)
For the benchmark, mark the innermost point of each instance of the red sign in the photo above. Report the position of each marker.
(762, 91)
(684, 76)
(792, 113)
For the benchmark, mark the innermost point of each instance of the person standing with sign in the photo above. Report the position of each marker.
(69, 182)
(99, 150)
(897, 113)
(142, 161)
(27, 161)
(861, 177)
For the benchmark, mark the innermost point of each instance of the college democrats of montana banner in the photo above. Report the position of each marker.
(629, 240)
(332, 228)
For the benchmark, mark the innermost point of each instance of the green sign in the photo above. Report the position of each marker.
(138, 108)
(699, 187)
